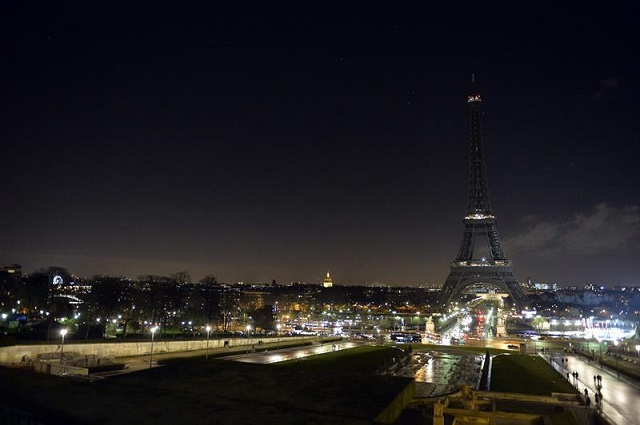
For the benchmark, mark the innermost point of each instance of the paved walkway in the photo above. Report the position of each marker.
(263, 353)
(621, 395)
(285, 354)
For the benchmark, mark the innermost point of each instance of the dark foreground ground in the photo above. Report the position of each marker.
(208, 391)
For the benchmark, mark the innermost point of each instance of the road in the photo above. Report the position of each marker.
(620, 395)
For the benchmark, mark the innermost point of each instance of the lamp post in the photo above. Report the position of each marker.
(616, 342)
(208, 328)
(248, 338)
(278, 326)
(63, 332)
(153, 332)
(600, 347)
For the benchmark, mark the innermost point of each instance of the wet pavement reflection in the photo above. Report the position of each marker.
(285, 354)
(439, 373)
(436, 373)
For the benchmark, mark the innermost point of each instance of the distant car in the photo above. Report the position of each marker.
(512, 346)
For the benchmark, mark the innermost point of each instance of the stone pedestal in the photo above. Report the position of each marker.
(501, 328)
(430, 326)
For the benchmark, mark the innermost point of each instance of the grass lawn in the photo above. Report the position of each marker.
(459, 349)
(527, 375)
(365, 359)
(565, 417)
(335, 388)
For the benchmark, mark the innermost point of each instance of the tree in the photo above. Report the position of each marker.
(539, 323)
(211, 298)
(105, 300)
(163, 296)
(263, 318)
(10, 279)
(34, 292)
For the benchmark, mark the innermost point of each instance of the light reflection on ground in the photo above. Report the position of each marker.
(435, 373)
(286, 354)
(442, 373)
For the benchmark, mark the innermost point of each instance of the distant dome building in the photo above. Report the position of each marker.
(327, 282)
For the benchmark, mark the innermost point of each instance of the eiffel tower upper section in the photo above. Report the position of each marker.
(478, 190)
(479, 208)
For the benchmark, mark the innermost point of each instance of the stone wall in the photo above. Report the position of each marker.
(14, 354)
(54, 368)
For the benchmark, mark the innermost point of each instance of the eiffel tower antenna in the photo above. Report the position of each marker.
(476, 263)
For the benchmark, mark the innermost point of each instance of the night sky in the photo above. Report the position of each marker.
(260, 142)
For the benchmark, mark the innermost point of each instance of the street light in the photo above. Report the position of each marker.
(63, 332)
(153, 332)
(208, 328)
(600, 347)
(248, 338)
(278, 326)
(616, 342)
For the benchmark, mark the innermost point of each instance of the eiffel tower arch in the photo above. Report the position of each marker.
(480, 259)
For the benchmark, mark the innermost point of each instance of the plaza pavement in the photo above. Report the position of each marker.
(621, 394)
(263, 353)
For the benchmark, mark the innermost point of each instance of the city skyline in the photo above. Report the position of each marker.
(255, 144)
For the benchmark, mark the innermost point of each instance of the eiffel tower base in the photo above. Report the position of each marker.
(462, 276)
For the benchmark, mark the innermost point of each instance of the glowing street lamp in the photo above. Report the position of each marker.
(208, 328)
(248, 338)
(616, 342)
(63, 332)
(153, 332)
(278, 326)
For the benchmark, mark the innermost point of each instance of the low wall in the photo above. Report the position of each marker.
(54, 368)
(392, 412)
(14, 354)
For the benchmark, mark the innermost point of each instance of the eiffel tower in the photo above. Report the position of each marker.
(491, 266)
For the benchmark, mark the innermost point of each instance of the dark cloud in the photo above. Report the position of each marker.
(607, 87)
(604, 229)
